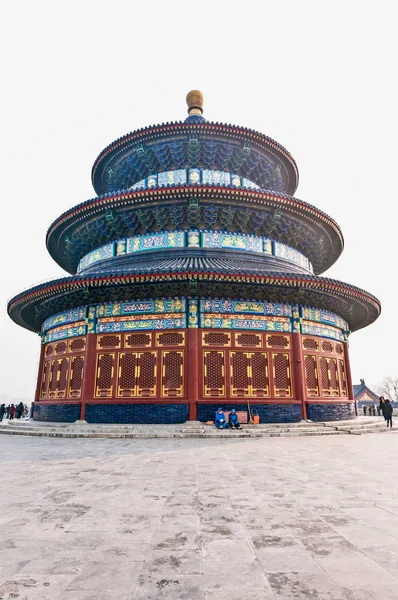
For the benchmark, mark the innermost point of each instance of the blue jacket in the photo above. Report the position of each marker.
(220, 417)
(233, 418)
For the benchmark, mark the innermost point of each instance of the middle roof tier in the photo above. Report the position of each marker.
(127, 213)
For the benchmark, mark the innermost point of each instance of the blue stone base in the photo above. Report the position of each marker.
(269, 413)
(331, 412)
(166, 414)
(60, 413)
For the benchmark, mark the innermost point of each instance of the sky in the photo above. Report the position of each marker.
(319, 77)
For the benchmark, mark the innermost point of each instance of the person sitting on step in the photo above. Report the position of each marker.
(220, 421)
(233, 420)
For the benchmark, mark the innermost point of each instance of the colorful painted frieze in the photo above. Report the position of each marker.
(323, 316)
(178, 322)
(220, 321)
(245, 307)
(210, 177)
(194, 177)
(267, 246)
(61, 333)
(70, 316)
(169, 305)
(178, 177)
(158, 241)
(193, 239)
(311, 328)
(120, 247)
(216, 239)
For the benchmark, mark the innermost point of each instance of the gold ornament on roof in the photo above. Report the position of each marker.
(195, 102)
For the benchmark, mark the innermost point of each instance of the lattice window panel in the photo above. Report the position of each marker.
(282, 375)
(172, 373)
(343, 380)
(248, 339)
(240, 376)
(311, 376)
(278, 341)
(339, 349)
(54, 378)
(334, 377)
(45, 379)
(216, 339)
(214, 373)
(309, 344)
(136, 340)
(109, 341)
(77, 345)
(49, 350)
(76, 377)
(127, 374)
(146, 374)
(104, 375)
(327, 346)
(170, 338)
(259, 375)
(325, 376)
(61, 347)
(63, 378)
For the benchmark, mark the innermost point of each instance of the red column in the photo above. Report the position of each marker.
(192, 349)
(350, 389)
(88, 373)
(298, 366)
(40, 373)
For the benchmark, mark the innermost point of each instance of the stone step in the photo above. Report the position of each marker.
(149, 430)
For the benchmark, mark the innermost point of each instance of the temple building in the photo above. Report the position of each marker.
(195, 282)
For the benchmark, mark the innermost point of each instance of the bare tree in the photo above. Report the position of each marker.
(388, 387)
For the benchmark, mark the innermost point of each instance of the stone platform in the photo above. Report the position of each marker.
(192, 429)
(199, 519)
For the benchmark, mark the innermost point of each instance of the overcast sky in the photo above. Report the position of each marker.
(319, 77)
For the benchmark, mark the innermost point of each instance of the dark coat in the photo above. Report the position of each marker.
(388, 409)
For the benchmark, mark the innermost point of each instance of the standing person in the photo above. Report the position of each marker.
(8, 407)
(2, 411)
(364, 410)
(382, 404)
(19, 410)
(388, 411)
(220, 421)
(233, 420)
(12, 412)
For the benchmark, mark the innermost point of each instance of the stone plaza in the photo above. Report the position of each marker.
(199, 519)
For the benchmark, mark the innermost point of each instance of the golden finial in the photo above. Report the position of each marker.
(195, 102)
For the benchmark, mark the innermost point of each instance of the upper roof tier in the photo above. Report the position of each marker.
(194, 143)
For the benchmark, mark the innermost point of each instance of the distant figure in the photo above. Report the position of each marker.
(2, 411)
(12, 412)
(364, 410)
(8, 407)
(233, 420)
(220, 421)
(388, 410)
(19, 410)
(382, 404)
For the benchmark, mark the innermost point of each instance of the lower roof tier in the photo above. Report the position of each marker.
(287, 220)
(32, 307)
